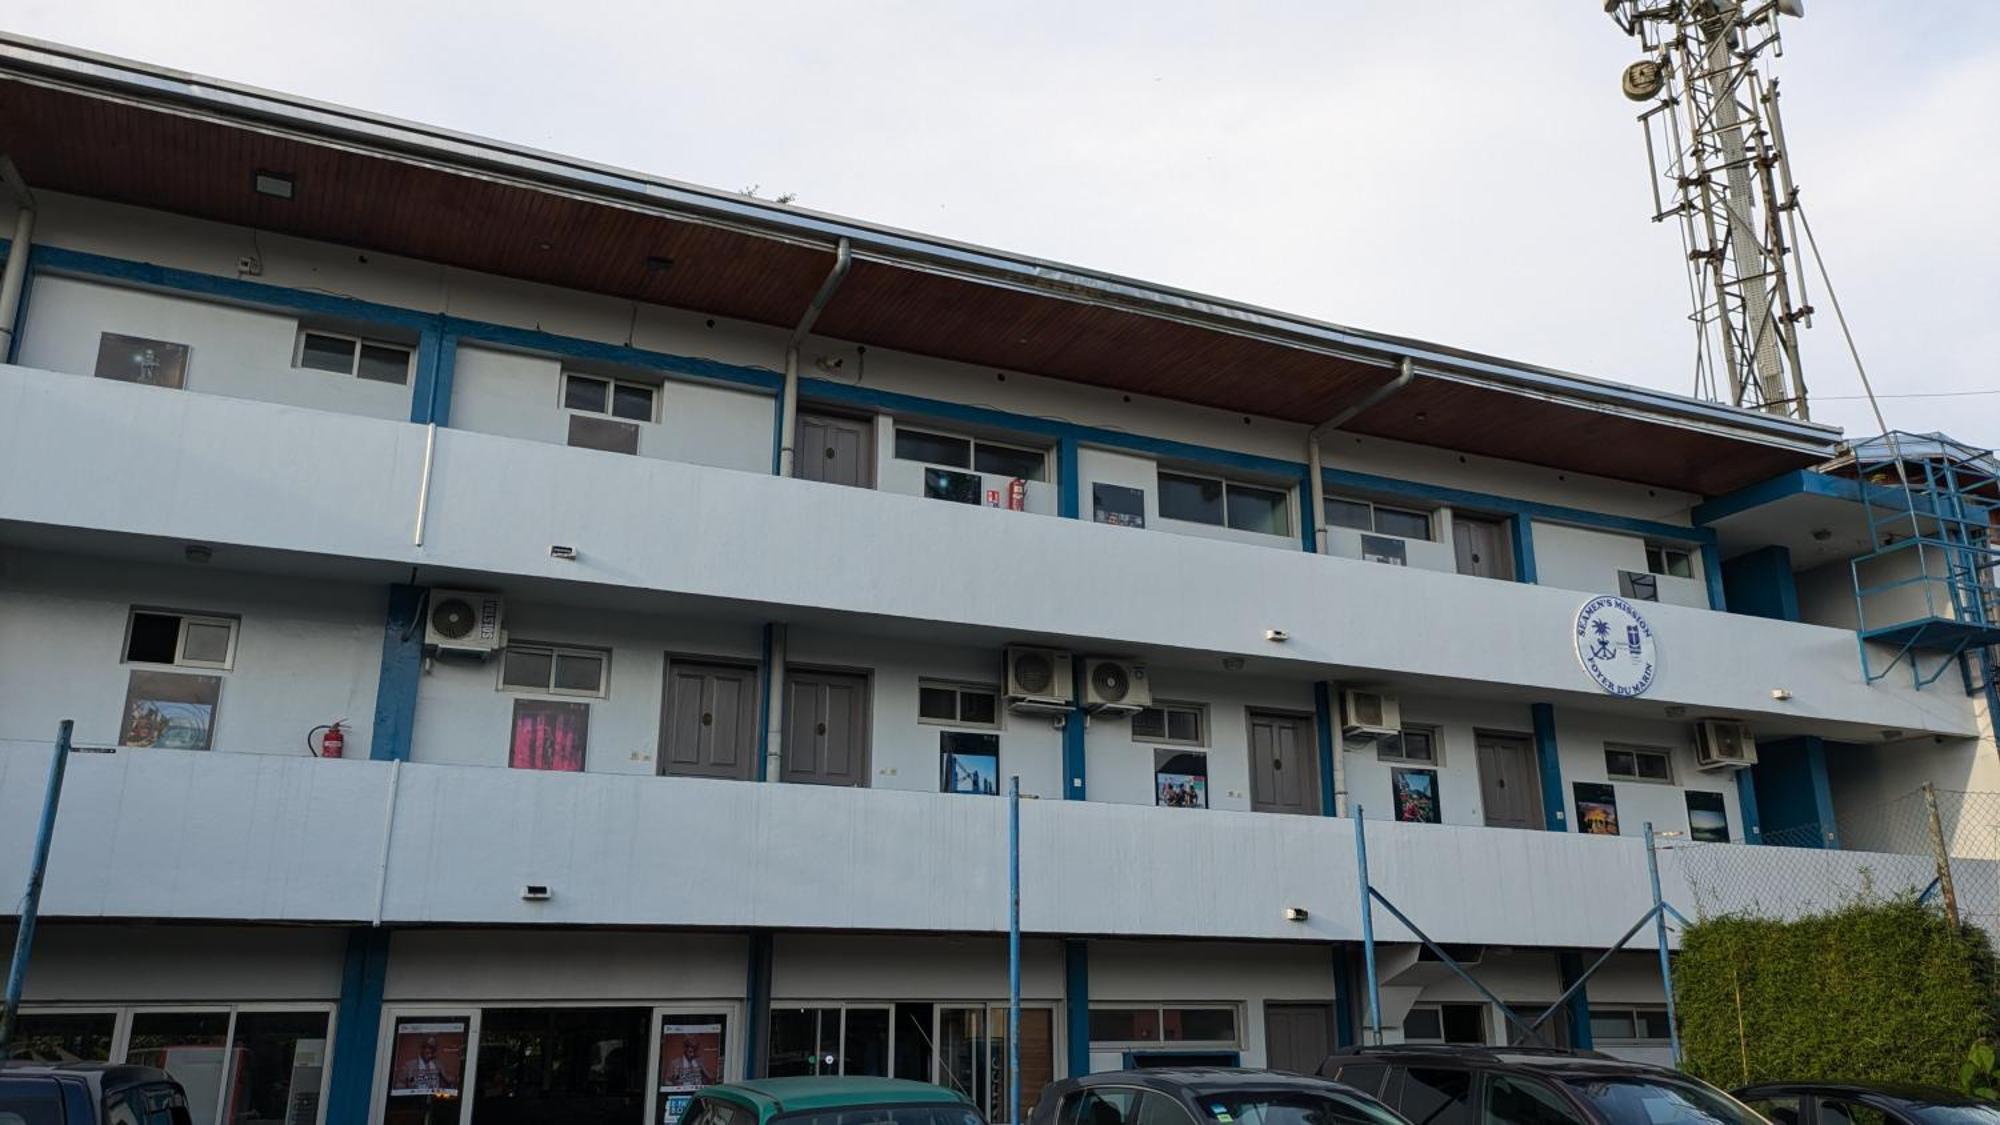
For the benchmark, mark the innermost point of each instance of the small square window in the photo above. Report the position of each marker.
(552, 670)
(1417, 745)
(153, 638)
(206, 642)
(1611, 1023)
(320, 352)
(1355, 514)
(1639, 763)
(384, 363)
(939, 703)
(1423, 1025)
(1262, 510)
(1150, 723)
(1653, 1024)
(580, 393)
(578, 672)
(979, 708)
(1671, 561)
(1194, 499)
(632, 401)
(1007, 461)
(1181, 724)
(964, 705)
(1403, 523)
(188, 640)
(528, 668)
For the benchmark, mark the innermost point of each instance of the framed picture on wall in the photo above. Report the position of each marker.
(1385, 549)
(1117, 505)
(969, 762)
(135, 359)
(1180, 779)
(1708, 817)
(549, 735)
(1416, 796)
(427, 1059)
(690, 1058)
(169, 710)
(1596, 808)
(944, 484)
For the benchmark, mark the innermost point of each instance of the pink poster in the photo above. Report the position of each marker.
(549, 735)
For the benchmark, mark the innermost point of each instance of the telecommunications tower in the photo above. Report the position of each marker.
(1716, 149)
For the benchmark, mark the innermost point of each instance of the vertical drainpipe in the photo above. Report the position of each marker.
(773, 738)
(14, 278)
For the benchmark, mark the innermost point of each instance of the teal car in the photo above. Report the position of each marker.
(830, 1101)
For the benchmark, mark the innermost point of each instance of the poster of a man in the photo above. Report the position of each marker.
(690, 1058)
(429, 1058)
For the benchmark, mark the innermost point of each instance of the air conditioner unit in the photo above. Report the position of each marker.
(1723, 744)
(465, 621)
(1039, 679)
(1117, 686)
(1369, 715)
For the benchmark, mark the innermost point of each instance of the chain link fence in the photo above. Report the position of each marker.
(1937, 845)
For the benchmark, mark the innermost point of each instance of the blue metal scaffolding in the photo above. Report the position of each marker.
(1926, 590)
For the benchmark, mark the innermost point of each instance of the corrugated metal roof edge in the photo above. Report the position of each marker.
(145, 82)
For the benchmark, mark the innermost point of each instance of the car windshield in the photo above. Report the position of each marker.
(883, 1115)
(1291, 1107)
(1956, 1114)
(1653, 1101)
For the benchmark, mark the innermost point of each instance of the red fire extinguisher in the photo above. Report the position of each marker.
(331, 744)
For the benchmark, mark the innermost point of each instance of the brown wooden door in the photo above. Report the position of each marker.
(1297, 1037)
(835, 449)
(708, 720)
(1510, 782)
(1482, 546)
(826, 728)
(1282, 774)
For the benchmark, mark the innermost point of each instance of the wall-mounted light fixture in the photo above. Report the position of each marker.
(1278, 635)
(277, 185)
(1296, 914)
(535, 892)
(560, 551)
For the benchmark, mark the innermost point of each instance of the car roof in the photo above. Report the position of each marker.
(1539, 1060)
(1896, 1091)
(1207, 1078)
(107, 1077)
(788, 1095)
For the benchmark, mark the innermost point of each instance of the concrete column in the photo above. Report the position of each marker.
(1760, 584)
(1076, 1004)
(402, 668)
(357, 1026)
(1550, 760)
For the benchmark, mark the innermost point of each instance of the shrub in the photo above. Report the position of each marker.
(1875, 991)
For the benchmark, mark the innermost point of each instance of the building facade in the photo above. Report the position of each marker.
(690, 575)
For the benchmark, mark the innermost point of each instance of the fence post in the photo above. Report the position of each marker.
(31, 903)
(1666, 962)
(1939, 854)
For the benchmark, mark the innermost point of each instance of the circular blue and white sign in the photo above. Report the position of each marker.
(1616, 646)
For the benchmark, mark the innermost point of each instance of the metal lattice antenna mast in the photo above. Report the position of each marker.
(1714, 139)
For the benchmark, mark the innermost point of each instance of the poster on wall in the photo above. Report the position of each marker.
(944, 484)
(1180, 779)
(1708, 818)
(969, 762)
(428, 1058)
(1117, 505)
(135, 359)
(1596, 808)
(690, 1058)
(1385, 549)
(1416, 796)
(548, 735)
(169, 710)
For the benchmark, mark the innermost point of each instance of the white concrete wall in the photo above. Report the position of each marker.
(1576, 558)
(240, 352)
(499, 966)
(95, 964)
(520, 395)
(306, 654)
(205, 836)
(163, 471)
(1120, 767)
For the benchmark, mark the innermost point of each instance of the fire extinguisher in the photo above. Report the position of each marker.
(331, 744)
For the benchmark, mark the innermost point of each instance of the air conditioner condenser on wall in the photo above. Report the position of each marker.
(1039, 679)
(465, 621)
(1723, 744)
(1366, 716)
(1115, 686)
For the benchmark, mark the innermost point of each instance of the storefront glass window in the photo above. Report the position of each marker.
(580, 1066)
(64, 1037)
(191, 1046)
(279, 1060)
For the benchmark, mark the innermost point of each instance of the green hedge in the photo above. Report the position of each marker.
(1877, 991)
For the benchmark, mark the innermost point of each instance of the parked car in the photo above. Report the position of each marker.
(1853, 1103)
(829, 1101)
(90, 1094)
(1206, 1096)
(1530, 1086)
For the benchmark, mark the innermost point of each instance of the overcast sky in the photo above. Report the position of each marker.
(1459, 170)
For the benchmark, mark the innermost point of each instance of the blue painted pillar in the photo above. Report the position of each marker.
(1569, 969)
(1323, 729)
(1746, 801)
(1308, 525)
(757, 1007)
(402, 669)
(357, 1026)
(1076, 1004)
(1794, 794)
(1075, 727)
(27, 294)
(430, 393)
(1069, 484)
(1712, 574)
(1524, 548)
(1760, 583)
(1550, 759)
(1343, 998)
